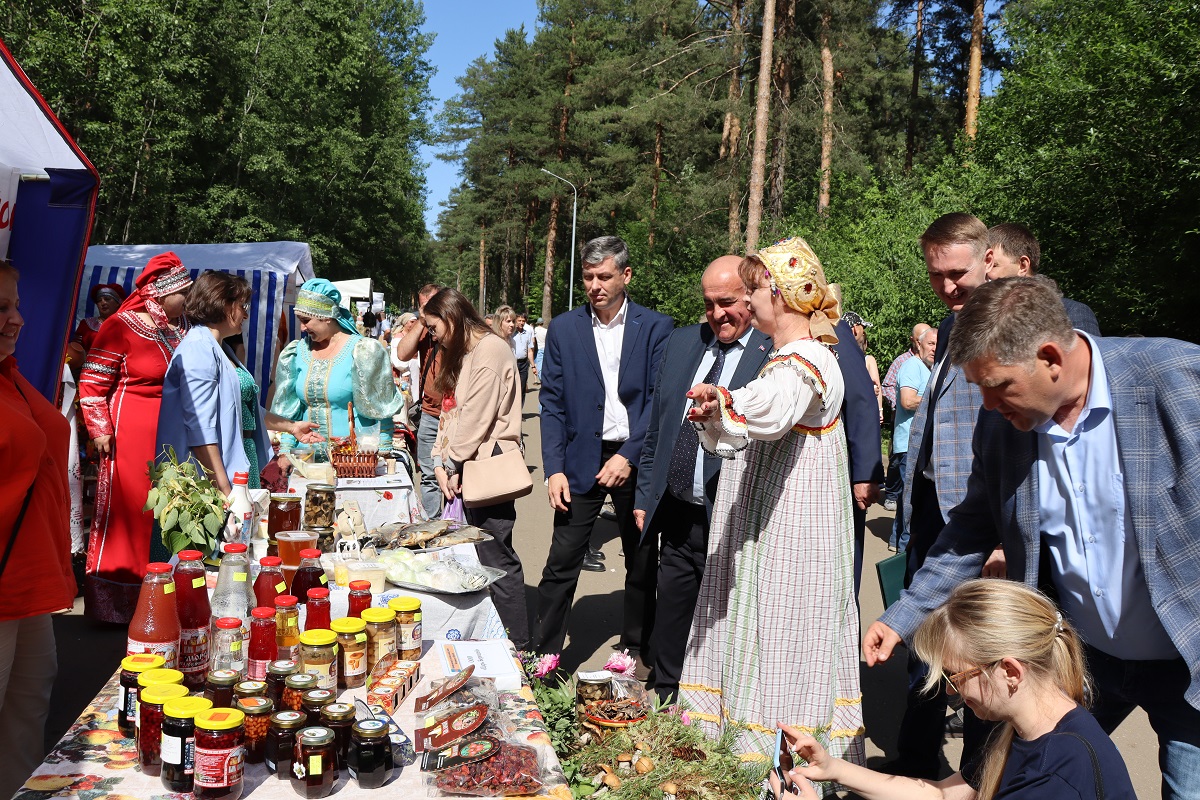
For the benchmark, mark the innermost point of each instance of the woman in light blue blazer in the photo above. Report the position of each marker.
(203, 414)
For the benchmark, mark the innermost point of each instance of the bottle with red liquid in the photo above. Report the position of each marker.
(269, 584)
(191, 601)
(316, 613)
(262, 642)
(360, 598)
(155, 624)
(309, 575)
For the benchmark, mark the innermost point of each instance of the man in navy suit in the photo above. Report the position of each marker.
(597, 387)
(677, 480)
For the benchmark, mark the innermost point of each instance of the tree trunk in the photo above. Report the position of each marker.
(656, 175)
(974, 71)
(548, 277)
(783, 88)
(826, 117)
(910, 144)
(482, 270)
(762, 110)
(731, 129)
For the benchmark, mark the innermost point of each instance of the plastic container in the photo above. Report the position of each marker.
(242, 508)
(316, 613)
(155, 624)
(127, 689)
(219, 758)
(351, 652)
(179, 742)
(371, 571)
(195, 615)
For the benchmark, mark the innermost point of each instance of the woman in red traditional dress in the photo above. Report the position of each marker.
(120, 391)
(108, 298)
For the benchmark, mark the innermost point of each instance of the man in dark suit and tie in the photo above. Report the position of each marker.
(597, 385)
(677, 481)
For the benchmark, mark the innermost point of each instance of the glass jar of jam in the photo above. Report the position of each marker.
(287, 627)
(283, 514)
(316, 612)
(277, 675)
(370, 759)
(258, 722)
(218, 687)
(381, 634)
(249, 689)
(153, 677)
(219, 768)
(313, 701)
(319, 500)
(351, 652)
(318, 656)
(127, 690)
(360, 598)
(294, 687)
(314, 769)
(339, 717)
(179, 742)
(150, 719)
(281, 741)
(408, 627)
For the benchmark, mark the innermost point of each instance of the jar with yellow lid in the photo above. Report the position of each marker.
(352, 651)
(381, 634)
(220, 762)
(408, 626)
(150, 718)
(318, 656)
(179, 742)
(127, 688)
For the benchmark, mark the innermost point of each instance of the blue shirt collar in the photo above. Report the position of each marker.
(1098, 404)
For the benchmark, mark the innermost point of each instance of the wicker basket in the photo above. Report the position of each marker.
(347, 461)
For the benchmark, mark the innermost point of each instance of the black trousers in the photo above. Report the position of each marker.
(508, 593)
(683, 552)
(572, 533)
(523, 371)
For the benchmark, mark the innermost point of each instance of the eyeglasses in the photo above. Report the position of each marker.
(246, 307)
(959, 678)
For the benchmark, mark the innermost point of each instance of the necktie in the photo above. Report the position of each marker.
(682, 470)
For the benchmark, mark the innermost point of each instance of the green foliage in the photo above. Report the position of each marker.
(557, 704)
(188, 506)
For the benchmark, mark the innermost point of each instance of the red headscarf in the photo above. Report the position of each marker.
(164, 274)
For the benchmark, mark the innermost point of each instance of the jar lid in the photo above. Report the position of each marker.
(263, 612)
(140, 662)
(223, 677)
(310, 552)
(229, 623)
(404, 603)
(599, 676)
(320, 530)
(378, 614)
(160, 693)
(318, 593)
(190, 555)
(316, 735)
(321, 487)
(158, 567)
(270, 561)
(254, 706)
(283, 667)
(220, 719)
(336, 712)
(360, 586)
(186, 707)
(371, 728)
(288, 720)
(317, 698)
(250, 688)
(153, 676)
(285, 498)
(348, 625)
(285, 601)
(235, 547)
(301, 680)
(318, 637)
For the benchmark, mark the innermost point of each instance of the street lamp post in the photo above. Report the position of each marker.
(574, 208)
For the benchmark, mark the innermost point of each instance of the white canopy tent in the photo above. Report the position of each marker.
(357, 289)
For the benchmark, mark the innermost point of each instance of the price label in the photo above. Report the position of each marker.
(281, 587)
(169, 588)
(197, 582)
(239, 577)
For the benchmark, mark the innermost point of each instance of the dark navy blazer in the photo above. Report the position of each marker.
(860, 409)
(572, 393)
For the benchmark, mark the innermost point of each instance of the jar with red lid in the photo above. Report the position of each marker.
(227, 652)
(277, 675)
(316, 612)
(127, 690)
(360, 598)
(287, 628)
(150, 719)
(258, 721)
(314, 768)
(220, 761)
(270, 583)
(218, 687)
(281, 741)
(262, 642)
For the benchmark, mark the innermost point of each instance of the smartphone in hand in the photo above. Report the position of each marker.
(782, 764)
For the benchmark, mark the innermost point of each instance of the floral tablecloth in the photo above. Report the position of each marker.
(93, 761)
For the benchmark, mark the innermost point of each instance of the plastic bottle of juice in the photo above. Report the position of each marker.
(155, 624)
(242, 508)
(191, 600)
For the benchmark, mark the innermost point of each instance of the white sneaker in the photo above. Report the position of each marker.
(889, 505)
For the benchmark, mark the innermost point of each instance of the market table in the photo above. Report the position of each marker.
(93, 761)
(382, 499)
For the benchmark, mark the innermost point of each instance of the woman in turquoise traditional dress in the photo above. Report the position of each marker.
(331, 366)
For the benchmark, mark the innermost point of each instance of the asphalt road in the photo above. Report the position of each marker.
(89, 653)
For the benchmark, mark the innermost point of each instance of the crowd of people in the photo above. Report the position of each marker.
(739, 456)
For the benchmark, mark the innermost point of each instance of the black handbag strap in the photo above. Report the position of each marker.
(12, 540)
(1096, 773)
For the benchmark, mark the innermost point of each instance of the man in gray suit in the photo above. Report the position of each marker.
(677, 481)
(1087, 471)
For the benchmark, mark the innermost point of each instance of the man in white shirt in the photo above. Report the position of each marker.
(597, 386)
(522, 347)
